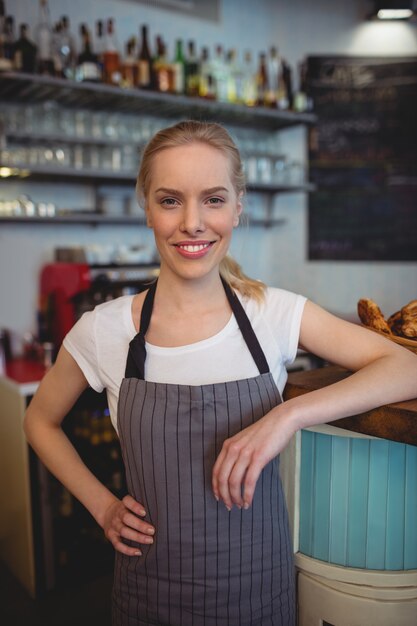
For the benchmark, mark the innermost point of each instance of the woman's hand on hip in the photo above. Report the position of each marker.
(122, 521)
(243, 457)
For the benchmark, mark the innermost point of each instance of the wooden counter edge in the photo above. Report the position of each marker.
(396, 422)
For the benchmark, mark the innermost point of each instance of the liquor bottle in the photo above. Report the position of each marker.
(287, 99)
(192, 71)
(9, 38)
(66, 48)
(249, 86)
(88, 67)
(235, 78)
(25, 52)
(206, 87)
(302, 101)
(129, 66)
(274, 78)
(111, 58)
(261, 80)
(178, 68)
(163, 71)
(99, 43)
(44, 40)
(144, 61)
(5, 63)
(220, 75)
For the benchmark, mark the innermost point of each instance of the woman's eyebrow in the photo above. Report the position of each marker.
(168, 190)
(204, 192)
(214, 190)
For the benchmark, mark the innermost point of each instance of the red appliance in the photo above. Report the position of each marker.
(59, 283)
(67, 290)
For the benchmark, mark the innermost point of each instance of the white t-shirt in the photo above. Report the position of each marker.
(99, 343)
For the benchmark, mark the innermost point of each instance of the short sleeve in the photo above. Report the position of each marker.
(284, 311)
(81, 343)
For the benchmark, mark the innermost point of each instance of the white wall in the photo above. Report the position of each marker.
(277, 255)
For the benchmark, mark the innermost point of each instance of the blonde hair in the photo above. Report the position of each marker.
(216, 136)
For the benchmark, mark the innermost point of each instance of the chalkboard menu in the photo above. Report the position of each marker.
(363, 158)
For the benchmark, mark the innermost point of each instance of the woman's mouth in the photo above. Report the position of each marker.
(193, 250)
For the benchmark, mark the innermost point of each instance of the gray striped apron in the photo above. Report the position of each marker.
(207, 566)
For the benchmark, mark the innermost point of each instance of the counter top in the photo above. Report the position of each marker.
(397, 422)
(25, 374)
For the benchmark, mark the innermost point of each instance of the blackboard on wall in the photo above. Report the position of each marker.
(363, 158)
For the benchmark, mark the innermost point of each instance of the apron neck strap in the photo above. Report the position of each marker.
(246, 329)
(135, 365)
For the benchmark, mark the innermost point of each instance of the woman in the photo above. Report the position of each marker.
(194, 370)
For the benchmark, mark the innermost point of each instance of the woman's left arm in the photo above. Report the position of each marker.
(383, 372)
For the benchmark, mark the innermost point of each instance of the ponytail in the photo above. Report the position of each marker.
(232, 273)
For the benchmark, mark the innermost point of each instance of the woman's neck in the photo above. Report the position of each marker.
(185, 295)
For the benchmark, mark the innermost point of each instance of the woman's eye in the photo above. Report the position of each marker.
(168, 202)
(215, 201)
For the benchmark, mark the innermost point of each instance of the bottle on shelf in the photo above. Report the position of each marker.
(144, 61)
(99, 43)
(206, 86)
(111, 57)
(220, 75)
(25, 52)
(261, 80)
(44, 37)
(302, 101)
(129, 66)
(192, 71)
(235, 78)
(178, 68)
(249, 87)
(88, 67)
(66, 48)
(288, 93)
(273, 68)
(5, 62)
(9, 38)
(162, 69)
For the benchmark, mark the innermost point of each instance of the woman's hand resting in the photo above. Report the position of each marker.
(122, 521)
(243, 457)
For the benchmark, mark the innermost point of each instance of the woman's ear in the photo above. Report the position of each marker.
(148, 218)
(239, 209)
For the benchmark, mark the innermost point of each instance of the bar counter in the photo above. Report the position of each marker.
(396, 422)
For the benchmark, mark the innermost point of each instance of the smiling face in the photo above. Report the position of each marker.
(192, 207)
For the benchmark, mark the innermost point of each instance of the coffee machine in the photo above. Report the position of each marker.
(67, 290)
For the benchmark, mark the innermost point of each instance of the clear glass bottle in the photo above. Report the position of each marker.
(66, 48)
(249, 87)
(44, 37)
(220, 75)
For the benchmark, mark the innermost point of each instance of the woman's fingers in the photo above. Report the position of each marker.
(123, 523)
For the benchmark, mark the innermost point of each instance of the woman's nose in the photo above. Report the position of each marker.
(192, 219)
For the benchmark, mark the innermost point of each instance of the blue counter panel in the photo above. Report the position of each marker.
(358, 502)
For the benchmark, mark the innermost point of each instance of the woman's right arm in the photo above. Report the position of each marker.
(57, 393)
